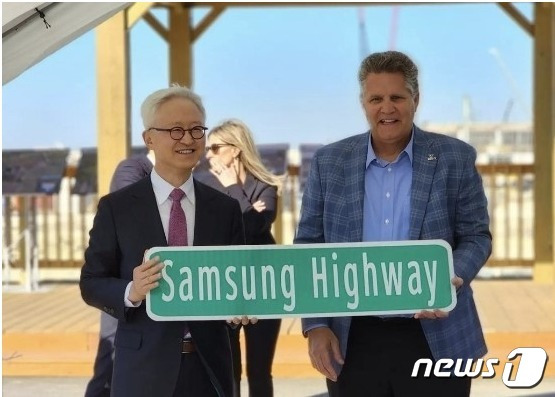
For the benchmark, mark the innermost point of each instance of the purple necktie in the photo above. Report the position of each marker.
(177, 231)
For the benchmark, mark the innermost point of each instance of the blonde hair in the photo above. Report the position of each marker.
(236, 133)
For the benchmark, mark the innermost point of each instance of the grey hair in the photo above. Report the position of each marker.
(390, 62)
(153, 101)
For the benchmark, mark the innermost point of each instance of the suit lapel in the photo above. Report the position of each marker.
(354, 168)
(250, 186)
(425, 159)
(147, 215)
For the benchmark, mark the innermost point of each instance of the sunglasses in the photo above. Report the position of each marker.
(215, 148)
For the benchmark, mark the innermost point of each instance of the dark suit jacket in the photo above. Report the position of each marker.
(258, 225)
(148, 353)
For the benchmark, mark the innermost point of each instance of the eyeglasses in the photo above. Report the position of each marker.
(215, 148)
(177, 133)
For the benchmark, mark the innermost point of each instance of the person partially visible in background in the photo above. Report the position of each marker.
(132, 170)
(238, 171)
(128, 171)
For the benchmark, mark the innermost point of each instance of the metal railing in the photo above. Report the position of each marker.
(31, 275)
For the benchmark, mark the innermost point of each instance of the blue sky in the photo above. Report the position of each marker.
(288, 72)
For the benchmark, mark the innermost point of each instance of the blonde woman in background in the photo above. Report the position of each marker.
(238, 171)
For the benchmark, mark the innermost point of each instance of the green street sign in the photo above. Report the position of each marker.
(305, 280)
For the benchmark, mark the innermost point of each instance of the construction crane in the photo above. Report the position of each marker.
(362, 38)
(393, 27)
(512, 83)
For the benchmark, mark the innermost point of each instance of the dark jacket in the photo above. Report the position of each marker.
(258, 225)
(130, 171)
(148, 353)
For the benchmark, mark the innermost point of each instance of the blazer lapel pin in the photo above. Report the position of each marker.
(432, 157)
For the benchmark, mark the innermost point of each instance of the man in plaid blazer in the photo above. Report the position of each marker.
(396, 182)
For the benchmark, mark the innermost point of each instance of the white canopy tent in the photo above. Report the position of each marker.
(27, 38)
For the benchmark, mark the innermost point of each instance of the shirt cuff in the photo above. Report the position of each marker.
(126, 300)
(314, 326)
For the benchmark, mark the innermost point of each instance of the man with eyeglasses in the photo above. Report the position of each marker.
(168, 207)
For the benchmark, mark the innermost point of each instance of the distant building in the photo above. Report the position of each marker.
(495, 143)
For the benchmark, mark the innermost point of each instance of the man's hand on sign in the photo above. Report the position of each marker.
(435, 314)
(457, 282)
(244, 320)
(145, 278)
(323, 347)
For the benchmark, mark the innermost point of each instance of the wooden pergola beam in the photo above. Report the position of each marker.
(136, 12)
(113, 97)
(214, 13)
(181, 45)
(156, 25)
(544, 143)
(518, 17)
(304, 4)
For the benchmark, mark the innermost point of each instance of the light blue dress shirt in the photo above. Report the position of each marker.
(387, 188)
(386, 215)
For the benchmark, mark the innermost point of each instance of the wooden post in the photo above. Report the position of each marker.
(33, 275)
(278, 223)
(293, 171)
(544, 141)
(71, 226)
(58, 233)
(84, 227)
(7, 213)
(22, 209)
(45, 204)
(181, 45)
(113, 97)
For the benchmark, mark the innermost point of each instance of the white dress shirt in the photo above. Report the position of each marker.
(162, 190)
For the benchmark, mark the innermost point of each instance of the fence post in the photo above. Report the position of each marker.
(27, 244)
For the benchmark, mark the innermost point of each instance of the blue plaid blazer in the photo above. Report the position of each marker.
(447, 202)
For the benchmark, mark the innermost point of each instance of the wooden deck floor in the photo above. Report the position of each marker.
(53, 332)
